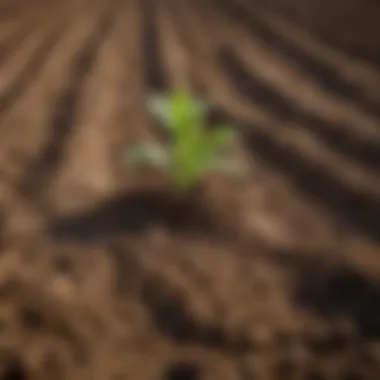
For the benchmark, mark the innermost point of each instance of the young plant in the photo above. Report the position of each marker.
(193, 151)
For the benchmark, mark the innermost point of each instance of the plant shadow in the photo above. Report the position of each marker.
(135, 212)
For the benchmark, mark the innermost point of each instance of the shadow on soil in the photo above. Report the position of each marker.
(183, 371)
(328, 291)
(12, 369)
(342, 292)
(134, 212)
(331, 291)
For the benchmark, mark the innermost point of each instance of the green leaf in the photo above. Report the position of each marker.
(193, 149)
(148, 155)
(211, 143)
(186, 116)
(219, 137)
(176, 110)
(159, 107)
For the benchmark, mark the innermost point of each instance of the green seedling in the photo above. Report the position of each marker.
(192, 150)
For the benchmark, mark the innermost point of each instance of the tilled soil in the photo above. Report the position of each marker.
(105, 275)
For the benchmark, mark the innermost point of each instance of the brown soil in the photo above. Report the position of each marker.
(104, 275)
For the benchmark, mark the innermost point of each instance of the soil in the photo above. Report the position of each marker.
(104, 274)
